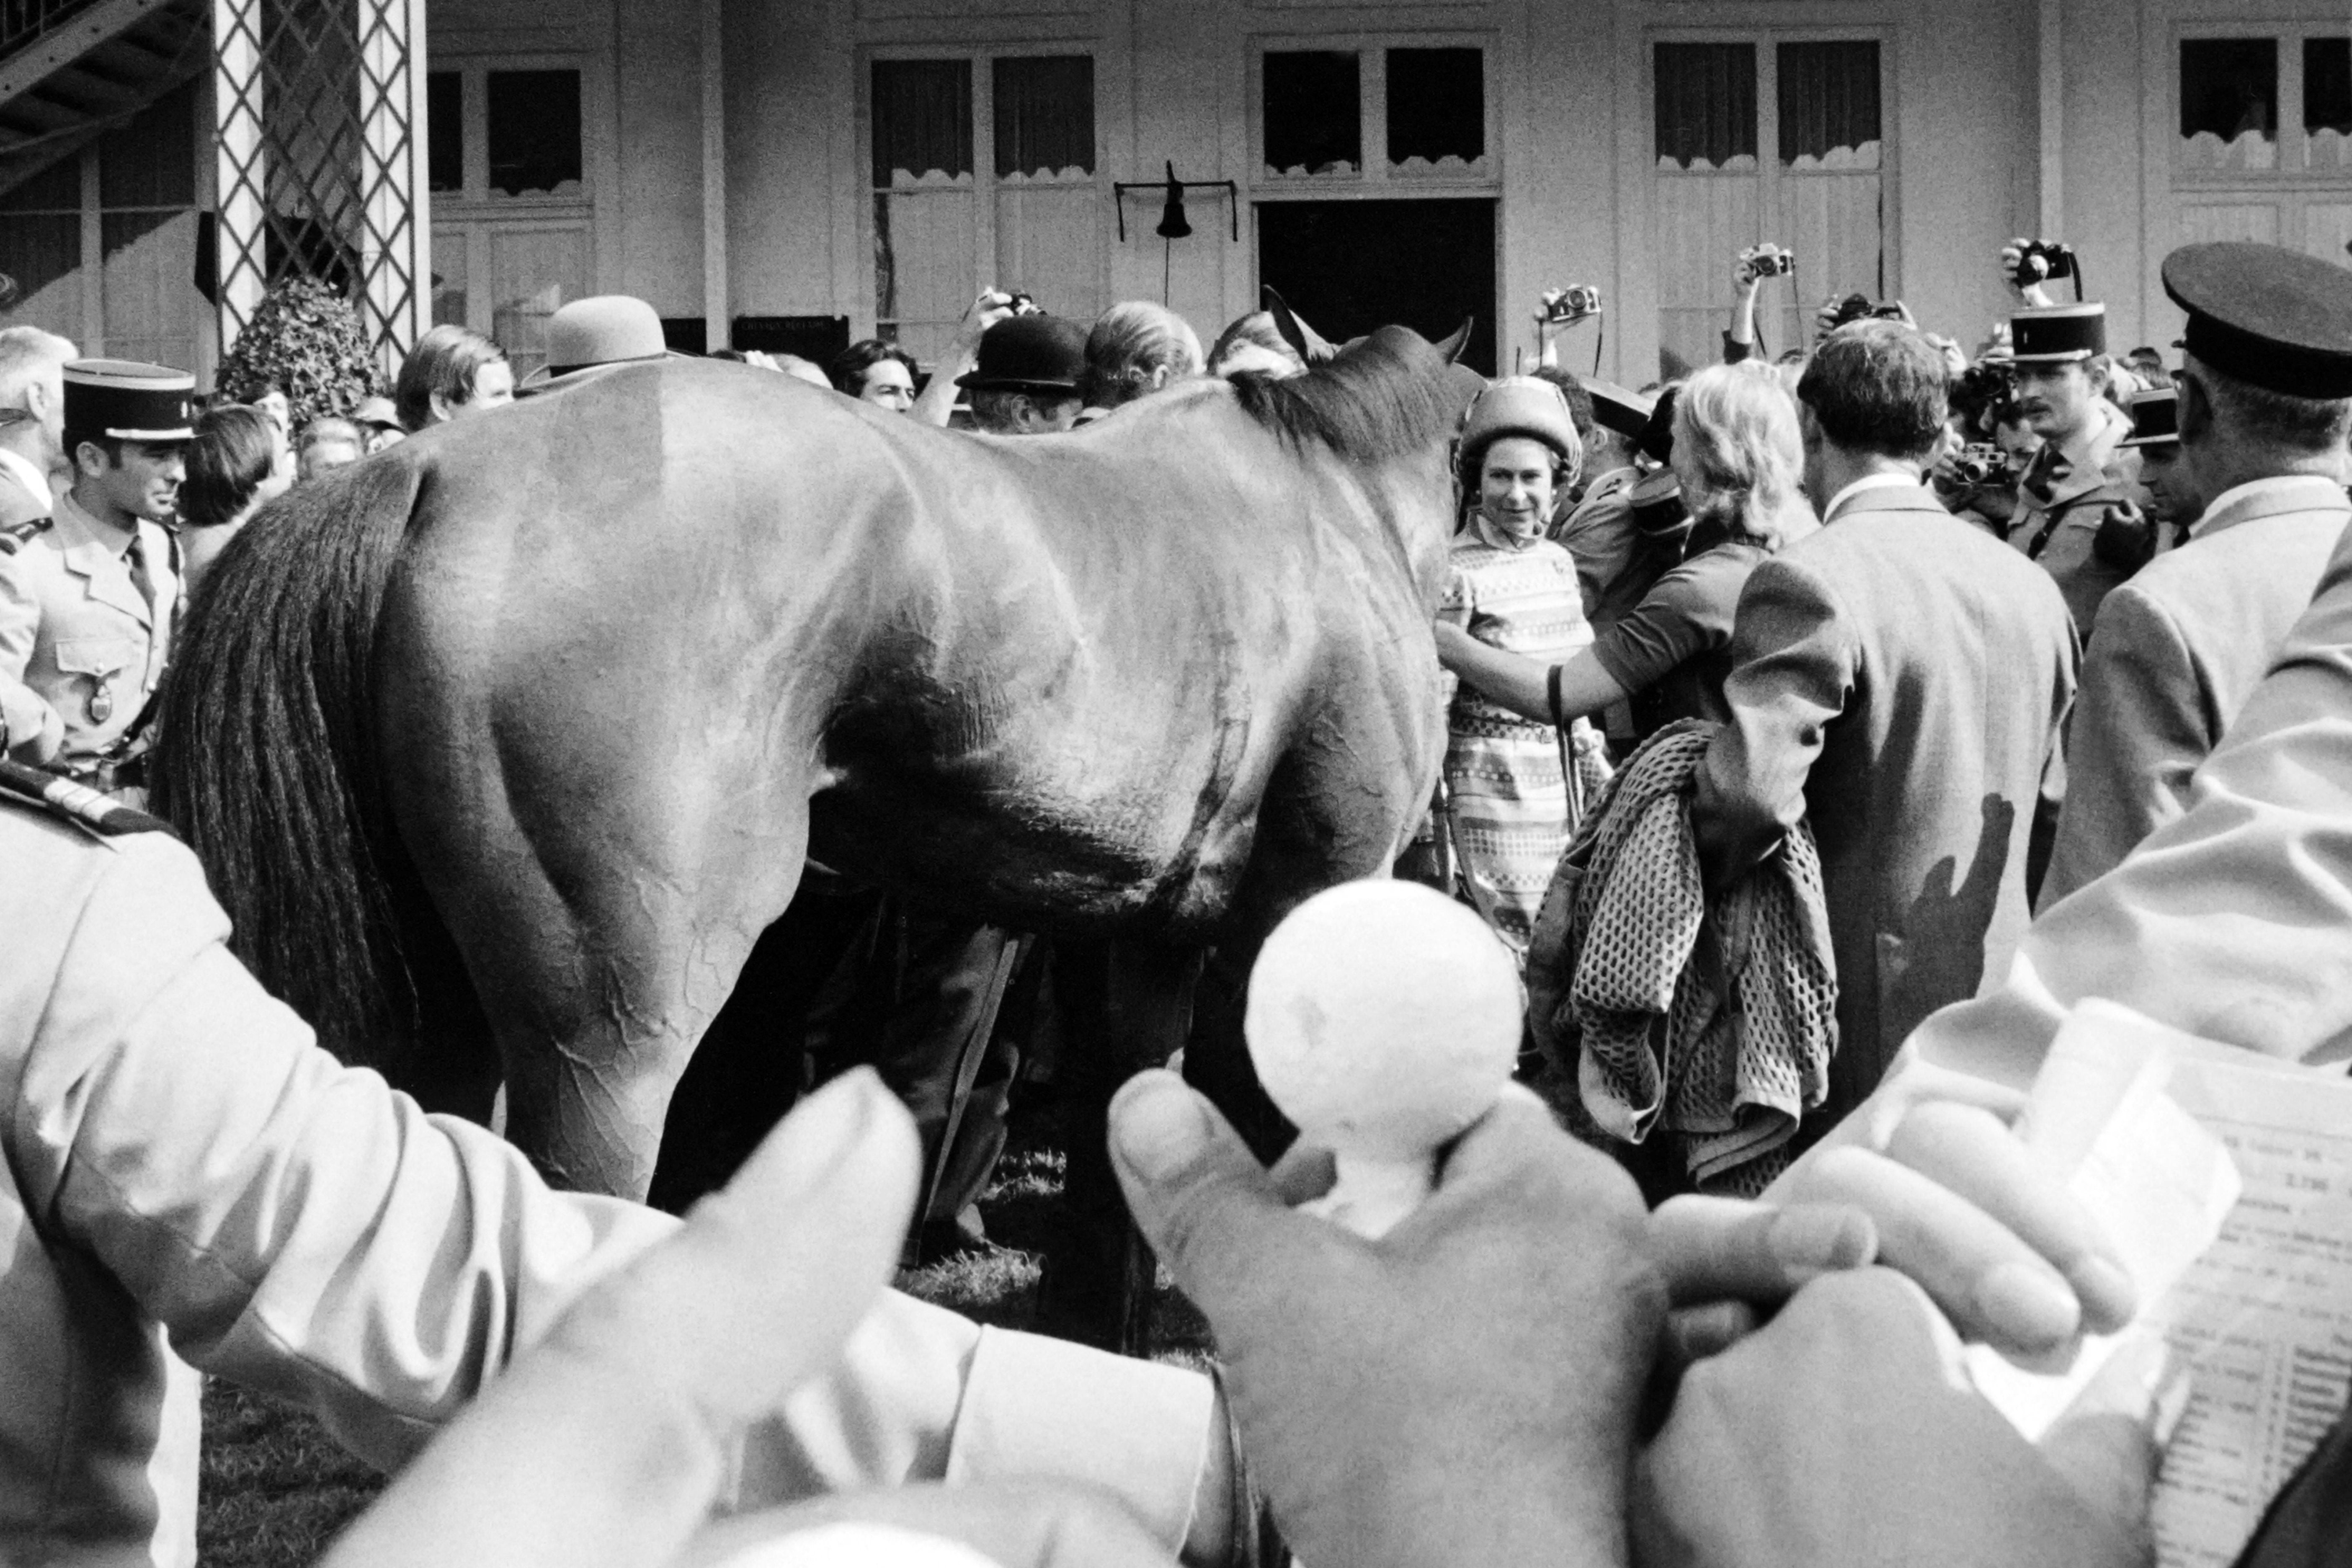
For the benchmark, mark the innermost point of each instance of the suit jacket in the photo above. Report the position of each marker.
(2234, 921)
(1898, 678)
(2062, 533)
(18, 503)
(82, 648)
(186, 1177)
(2180, 647)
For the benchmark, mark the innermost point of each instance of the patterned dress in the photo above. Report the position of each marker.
(1507, 801)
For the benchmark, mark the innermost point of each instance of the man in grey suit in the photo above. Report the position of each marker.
(1899, 679)
(2182, 645)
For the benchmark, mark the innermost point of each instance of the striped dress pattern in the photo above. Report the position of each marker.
(1507, 800)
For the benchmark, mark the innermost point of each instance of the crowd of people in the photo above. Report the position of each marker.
(1980, 686)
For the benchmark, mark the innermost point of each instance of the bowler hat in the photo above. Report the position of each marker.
(1033, 353)
(376, 414)
(600, 330)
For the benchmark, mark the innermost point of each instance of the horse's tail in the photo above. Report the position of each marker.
(265, 752)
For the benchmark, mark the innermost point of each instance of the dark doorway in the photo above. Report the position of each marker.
(1349, 266)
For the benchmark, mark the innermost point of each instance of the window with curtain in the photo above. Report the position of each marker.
(1829, 105)
(1706, 103)
(921, 121)
(1045, 109)
(445, 131)
(531, 124)
(1312, 111)
(1436, 109)
(2228, 103)
(1029, 216)
(2327, 103)
(1759, 138)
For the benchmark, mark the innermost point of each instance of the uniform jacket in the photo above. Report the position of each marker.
(185, 1176)
(82, 648)
(2180, 647)
(2085, 484)
(1899, 678)
(2234, 921)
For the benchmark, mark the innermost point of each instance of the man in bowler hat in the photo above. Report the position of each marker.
(1026, 383)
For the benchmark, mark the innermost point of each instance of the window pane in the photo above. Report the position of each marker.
(151, 162)
(2328, 102)
(922, 122)
(1829, 105)
(449, 259)
(1437, 106)
(1044, 116)
(1049, 244)
(444, 129)
(1313, 113)
(534, 132)
(1705, 106)
(2228, 103)
(533, 272)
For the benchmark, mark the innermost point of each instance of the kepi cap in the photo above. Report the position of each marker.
(2274, 319)
(128, 401)
(2058, 334)
(1614, 409)
(1032, 352)
(2155, 418)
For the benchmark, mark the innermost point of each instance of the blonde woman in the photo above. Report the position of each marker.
(1740, 461)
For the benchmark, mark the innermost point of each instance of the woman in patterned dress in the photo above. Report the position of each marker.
(1508, 805)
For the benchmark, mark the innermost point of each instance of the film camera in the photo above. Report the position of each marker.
(1571, 305)
(1022, 305)
(1980, 464)
(1855, 307)
(2042, 261)
(1766, 260)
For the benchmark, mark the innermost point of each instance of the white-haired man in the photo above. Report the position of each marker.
(33, 379)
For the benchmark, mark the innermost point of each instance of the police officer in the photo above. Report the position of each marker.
(2071, 515)
(2259, 425)
(87, 596)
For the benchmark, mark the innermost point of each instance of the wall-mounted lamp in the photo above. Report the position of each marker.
(1173, 225)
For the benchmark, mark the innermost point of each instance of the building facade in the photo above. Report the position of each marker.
(796, 172)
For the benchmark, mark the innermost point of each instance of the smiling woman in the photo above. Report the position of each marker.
(1508, 804)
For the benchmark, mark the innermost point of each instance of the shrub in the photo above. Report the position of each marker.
(305, 338)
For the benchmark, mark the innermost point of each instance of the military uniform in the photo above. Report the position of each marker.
(2071, 515)
(24, 488)
(86, 606)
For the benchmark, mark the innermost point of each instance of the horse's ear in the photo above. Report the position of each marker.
(1455, 341)
(1308, 344)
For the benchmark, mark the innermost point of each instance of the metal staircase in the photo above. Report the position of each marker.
(71, 70)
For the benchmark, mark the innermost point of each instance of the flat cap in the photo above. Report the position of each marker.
(2057, 334)
(2274, 319)
(1614, 409)
(128, 401)
(2155, 418)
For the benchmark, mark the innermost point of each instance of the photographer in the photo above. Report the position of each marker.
(1991, 445)
(1755, 263)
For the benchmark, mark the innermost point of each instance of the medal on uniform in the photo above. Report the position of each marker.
(102, 701)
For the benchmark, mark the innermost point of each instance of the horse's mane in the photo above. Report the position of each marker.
(1388, 395)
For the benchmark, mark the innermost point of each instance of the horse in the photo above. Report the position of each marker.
(519, 733)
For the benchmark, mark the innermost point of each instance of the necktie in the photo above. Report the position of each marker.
(136, 559)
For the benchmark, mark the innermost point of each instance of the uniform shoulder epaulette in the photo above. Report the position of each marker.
(16, 535)
(62, 798)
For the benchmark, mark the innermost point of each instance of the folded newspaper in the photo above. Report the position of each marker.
(2226, 1179)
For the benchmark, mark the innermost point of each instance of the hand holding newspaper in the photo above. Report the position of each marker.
(2226, 1179)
